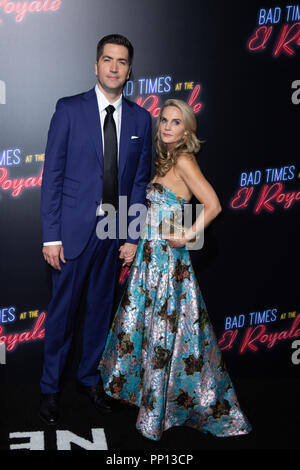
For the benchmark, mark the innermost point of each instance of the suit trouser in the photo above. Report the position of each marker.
(97, 266)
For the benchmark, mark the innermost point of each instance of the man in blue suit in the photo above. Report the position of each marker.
(98, 148)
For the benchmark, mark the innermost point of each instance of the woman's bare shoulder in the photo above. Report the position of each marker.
(186, 161)
(186, 156)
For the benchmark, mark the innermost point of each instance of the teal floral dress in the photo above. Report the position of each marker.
(161, 353)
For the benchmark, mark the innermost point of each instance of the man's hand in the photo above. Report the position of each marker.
(52, 254)
(127, 252)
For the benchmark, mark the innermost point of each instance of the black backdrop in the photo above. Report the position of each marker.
(247, 110)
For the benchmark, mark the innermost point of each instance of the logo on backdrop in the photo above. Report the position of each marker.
(10, 158)
(8, 317)
(257, 335)
(278, 31)
(146, 92)
(265, 190)
(65, 439)
(19, 10)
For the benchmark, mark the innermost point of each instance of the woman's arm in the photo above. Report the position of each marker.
(188, 169)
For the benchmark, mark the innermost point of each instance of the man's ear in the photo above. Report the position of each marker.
(96, 68)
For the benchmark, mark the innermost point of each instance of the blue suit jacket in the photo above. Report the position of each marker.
(73, 168)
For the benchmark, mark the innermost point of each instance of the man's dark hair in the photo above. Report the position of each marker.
(115, 39)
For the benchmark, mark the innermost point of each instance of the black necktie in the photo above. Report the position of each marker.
(110, 176)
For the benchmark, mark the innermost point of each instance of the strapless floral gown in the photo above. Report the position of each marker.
(161, 353)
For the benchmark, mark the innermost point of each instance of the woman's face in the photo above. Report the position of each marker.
(171, 127)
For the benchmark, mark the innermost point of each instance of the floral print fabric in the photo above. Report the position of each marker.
(161, 353)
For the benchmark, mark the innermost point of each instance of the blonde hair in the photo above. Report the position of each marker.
(189, 144)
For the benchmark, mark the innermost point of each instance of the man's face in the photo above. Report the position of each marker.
(112, 68)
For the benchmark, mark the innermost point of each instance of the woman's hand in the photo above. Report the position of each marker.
(176, 242)
(127, 252)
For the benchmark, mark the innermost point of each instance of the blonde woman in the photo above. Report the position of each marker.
(161, 353)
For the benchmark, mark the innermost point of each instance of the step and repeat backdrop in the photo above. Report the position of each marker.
(237, 65)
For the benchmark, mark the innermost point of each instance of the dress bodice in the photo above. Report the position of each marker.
(165, 212)
(159, 194)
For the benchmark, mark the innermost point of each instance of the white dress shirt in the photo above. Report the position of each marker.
(117, 115)
(102, 104)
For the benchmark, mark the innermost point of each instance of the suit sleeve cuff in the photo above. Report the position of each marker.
(52, 243)
(134, 241)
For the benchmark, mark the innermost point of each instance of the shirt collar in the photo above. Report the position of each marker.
(103, 101)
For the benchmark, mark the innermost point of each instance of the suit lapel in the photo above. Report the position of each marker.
(127, 128)
(92, 119)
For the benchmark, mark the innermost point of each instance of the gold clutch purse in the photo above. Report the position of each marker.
(171, 226)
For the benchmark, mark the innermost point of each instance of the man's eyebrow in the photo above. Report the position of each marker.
(109, 57)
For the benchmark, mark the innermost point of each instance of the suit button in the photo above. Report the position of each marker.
(97, 203)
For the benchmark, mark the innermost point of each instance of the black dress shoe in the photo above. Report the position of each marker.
(97, 396)
(49, 408)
